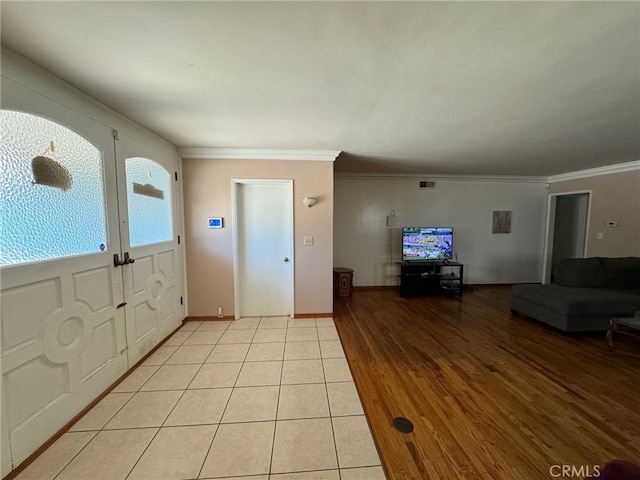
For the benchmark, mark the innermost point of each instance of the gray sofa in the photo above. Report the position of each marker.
(585, 294)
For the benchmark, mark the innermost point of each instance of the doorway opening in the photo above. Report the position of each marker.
(567, 226)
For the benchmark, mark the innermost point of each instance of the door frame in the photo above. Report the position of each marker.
(550, 230)
(235, 183)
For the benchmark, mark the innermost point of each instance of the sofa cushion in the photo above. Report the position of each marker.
(579, 301)
(621, 272)
(580, 272)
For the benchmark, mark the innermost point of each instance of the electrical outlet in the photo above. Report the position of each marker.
(308, 241)
(599, 235)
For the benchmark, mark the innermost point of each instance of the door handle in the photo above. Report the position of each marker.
(126, 260)
(286, 259)
(116, 261)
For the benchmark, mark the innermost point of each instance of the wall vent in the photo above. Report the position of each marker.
(427, 184)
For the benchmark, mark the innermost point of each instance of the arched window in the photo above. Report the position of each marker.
(149, 202)
(52, 199)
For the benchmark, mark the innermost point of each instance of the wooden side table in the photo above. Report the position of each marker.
(342, 282)
(626, 326)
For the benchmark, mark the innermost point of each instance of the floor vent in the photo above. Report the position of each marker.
(403, 425)
(427, 184)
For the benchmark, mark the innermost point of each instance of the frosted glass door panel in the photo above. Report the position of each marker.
(52, 198)
(149, 202)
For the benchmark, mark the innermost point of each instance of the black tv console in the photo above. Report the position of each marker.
(430, 278)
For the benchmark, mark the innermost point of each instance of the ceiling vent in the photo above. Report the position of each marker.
(427, 184)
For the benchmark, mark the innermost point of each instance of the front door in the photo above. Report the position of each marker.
(153, 271)
(264, 247)
(63, 336)
(74, 315)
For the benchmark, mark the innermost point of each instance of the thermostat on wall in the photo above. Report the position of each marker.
(215, 222)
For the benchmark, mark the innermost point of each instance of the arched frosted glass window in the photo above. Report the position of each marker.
(51, 191)
(149, 202)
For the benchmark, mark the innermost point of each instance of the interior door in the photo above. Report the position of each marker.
(63, 336)
(264, 247)
(151, 256)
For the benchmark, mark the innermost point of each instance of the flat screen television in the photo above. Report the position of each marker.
(427, 243)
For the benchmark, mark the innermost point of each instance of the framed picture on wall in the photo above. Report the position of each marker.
(501, 221)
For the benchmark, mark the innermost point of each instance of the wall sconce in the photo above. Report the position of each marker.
(309, 201)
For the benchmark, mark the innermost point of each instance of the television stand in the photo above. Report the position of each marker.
(422, 278)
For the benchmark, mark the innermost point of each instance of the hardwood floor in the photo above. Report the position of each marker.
(491, 395)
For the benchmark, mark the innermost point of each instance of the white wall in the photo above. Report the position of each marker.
(210, 271)
(615, 196)
(364, 243)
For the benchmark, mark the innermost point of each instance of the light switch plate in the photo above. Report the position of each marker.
(308, 241)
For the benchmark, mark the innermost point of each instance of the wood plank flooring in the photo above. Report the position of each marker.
(491, 395)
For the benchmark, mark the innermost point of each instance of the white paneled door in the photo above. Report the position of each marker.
(263, 241)
(75, 314)
(63, 336)
(153, 267)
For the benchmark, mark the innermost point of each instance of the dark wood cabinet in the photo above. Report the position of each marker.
(342, 282)
(430, 278)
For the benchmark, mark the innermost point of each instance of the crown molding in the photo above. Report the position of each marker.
(594, 172)
(259, 154)
(487, 178)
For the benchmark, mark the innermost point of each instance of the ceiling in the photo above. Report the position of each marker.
(473, 88)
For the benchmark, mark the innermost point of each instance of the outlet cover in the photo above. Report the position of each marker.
(308, 241)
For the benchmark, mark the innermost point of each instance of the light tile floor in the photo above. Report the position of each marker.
(253, 399)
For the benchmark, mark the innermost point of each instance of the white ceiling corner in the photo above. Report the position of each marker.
(442, 88)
